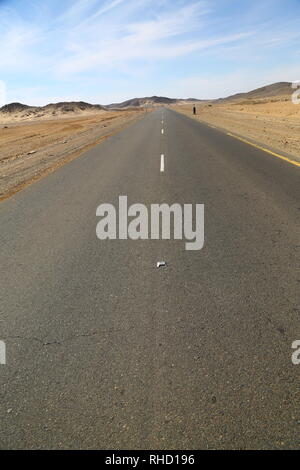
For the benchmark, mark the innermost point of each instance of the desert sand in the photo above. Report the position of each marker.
(31, 149)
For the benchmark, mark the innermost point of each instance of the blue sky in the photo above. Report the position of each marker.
(105, 51)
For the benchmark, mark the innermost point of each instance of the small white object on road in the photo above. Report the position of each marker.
(161, 264)
(162, 131)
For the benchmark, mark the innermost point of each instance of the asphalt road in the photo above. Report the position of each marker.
(106, 351)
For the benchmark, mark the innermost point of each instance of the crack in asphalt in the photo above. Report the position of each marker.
(70, 338)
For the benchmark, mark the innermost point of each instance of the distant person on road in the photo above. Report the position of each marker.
(194, 110)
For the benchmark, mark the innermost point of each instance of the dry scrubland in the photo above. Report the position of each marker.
(32, 148)
(274, 122)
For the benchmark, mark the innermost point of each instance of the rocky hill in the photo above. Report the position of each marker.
(275, 90)
(20, 112)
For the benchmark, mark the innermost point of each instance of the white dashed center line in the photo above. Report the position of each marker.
(162, 163)
(162, 131)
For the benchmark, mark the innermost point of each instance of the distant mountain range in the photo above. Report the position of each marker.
(22, 111)
(80, 106)
(150, 101)
(269, 91)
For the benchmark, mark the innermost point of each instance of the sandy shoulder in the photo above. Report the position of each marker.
(274, 123)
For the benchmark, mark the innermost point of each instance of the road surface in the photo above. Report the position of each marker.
(106, 351)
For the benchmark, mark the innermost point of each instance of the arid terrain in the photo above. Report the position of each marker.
(33, 146)
(266, 116)
(37, 140)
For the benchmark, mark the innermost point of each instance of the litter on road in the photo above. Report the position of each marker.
(161, 264)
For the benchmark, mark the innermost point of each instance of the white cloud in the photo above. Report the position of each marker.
(17, 45)
(187, 19)
(76, 11)
(138, 39)
(106, 8)
(145, 40)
